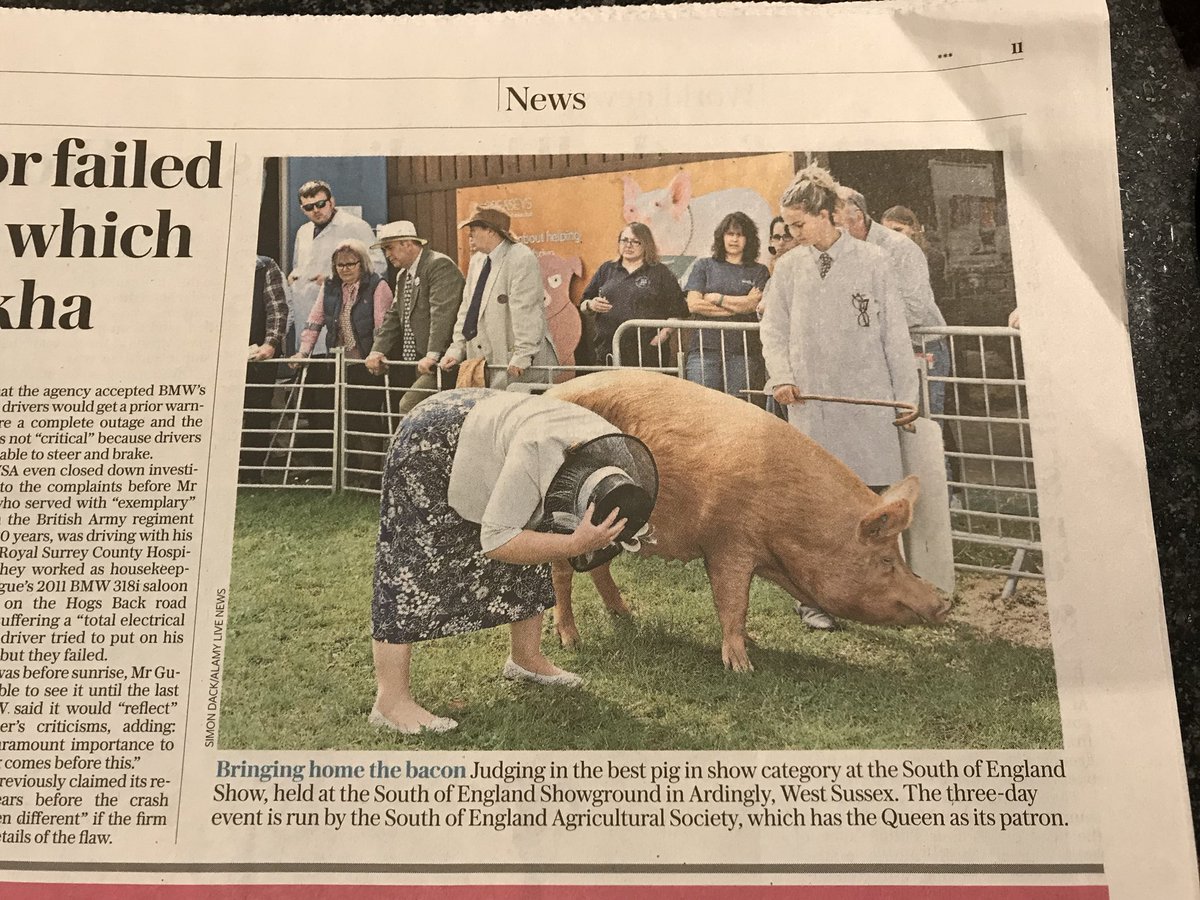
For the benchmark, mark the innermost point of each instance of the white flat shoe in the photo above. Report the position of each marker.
(515, 672)
(438, 725)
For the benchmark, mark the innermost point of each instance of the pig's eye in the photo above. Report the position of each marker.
(554, 281)
(889, 562)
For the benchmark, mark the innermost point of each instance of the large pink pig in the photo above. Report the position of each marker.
(752, 496)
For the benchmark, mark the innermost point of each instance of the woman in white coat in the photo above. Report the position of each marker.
(832, 324)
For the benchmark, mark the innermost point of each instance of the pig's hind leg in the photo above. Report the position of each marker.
(564, 613)
(608, 590)
(730, 580)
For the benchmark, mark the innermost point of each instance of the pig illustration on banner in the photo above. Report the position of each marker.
(683, 224)
(562, 318)
(750, 495)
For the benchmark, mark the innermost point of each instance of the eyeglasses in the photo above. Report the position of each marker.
(347, 265)
(779, 237)
(633, 242)
(317, 204)
(860, 303)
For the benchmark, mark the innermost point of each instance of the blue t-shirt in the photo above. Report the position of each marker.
(711, 275)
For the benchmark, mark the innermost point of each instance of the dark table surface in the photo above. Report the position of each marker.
(1156, 70)
(1155, 54)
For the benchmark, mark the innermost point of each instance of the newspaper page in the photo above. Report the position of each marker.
(235, 255)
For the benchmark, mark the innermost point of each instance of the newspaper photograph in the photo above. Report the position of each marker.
(572, 470)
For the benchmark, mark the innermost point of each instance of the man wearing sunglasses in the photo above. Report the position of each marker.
(327, 226)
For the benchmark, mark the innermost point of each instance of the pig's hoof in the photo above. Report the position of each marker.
(736, 658)
(568, 636)
(619, 607)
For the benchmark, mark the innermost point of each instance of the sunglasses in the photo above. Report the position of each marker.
(319, 204)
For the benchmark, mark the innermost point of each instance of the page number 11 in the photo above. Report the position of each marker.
(1017, 47)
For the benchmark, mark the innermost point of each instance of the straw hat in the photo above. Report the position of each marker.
(398, 231)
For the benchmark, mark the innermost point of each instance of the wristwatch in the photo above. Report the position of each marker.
(721, 300)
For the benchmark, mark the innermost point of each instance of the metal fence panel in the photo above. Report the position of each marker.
(327, 425)
(989, 452)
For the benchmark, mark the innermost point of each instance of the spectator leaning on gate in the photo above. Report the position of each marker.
(502, 318)
(327, 226)
(910, 272)
(353, 304)
(419, 326)
(727, 287)
(635, 285)
(268, 322)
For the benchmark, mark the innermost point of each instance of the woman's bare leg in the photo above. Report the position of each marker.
(527, 647)
(394, 698)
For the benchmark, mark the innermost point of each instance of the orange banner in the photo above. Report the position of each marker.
(573, 223)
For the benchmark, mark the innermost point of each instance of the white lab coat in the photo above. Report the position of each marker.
(812, 338)
(910, 272)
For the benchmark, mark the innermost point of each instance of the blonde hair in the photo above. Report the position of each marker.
(813, 189)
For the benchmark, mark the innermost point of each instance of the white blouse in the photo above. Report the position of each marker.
(510, 448)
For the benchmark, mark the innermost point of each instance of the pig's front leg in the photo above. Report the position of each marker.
(562, 574)
(608, 590)
(730, 580)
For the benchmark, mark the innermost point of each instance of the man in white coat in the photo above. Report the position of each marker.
(316, 239)
(503, 314)
(910, 272)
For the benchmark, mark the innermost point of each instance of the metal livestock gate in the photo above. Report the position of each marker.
(305, 429)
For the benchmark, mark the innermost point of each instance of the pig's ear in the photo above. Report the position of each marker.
(632, 192)
(908, 488)
(893, 513)
(680, 192)
(576, 266)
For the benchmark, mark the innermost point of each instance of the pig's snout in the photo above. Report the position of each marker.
(931, 609)
(940, 611)
(928, 606)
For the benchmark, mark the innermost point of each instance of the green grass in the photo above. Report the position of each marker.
(298, 669)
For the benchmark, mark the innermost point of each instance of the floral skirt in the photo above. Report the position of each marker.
(431, 577)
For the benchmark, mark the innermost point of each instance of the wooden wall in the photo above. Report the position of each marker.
(421, 188)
